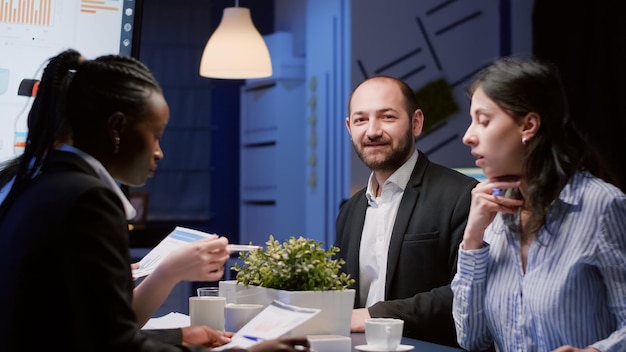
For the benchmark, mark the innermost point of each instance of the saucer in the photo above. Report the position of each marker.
(367, 348)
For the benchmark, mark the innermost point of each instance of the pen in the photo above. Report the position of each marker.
(241, 247)
(254, 338)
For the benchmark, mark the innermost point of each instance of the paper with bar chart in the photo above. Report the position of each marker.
(32, 31)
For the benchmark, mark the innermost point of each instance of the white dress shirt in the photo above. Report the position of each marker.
(379, 220)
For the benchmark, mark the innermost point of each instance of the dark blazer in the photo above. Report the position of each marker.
(422, 252)
(65, 266)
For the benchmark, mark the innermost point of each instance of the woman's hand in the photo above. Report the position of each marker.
(203, 335)
(484, 207)
(282, 344)
(201, 260)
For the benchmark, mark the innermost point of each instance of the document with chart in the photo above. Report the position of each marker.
(277, 319)
(175, 239)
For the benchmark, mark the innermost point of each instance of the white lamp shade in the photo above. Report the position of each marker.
(236, 50)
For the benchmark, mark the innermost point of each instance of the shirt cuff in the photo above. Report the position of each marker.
(474, 262)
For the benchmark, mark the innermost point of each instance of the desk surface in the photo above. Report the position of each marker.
(420, 346)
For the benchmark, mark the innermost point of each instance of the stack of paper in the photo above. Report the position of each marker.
(169, 321)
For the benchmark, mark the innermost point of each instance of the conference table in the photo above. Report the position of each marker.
(420, 346)
(172, 320)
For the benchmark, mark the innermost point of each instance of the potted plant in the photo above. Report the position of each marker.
(296, 265)
(299, 272)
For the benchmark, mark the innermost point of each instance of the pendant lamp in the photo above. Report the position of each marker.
(236, 50)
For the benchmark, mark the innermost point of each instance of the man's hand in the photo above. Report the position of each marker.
(358, 319)
(203, 335)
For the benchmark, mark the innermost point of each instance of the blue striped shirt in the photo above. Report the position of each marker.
(574, 289)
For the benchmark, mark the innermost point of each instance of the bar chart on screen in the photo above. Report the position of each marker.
(34, 12)
(33, 31)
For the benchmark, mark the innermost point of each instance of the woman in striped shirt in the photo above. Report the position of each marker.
(542, 265)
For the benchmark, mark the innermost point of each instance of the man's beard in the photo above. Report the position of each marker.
(391, 160)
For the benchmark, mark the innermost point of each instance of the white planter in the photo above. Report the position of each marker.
(334, 317)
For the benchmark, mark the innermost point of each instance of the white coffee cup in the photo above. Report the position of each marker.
(236, 315)
(207, 310)
(383, 333)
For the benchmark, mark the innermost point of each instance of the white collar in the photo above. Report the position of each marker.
(400, 177)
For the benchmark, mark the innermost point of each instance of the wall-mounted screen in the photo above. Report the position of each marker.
(32, 31)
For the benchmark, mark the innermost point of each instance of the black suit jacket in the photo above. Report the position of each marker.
(422, 253)
(65, 266)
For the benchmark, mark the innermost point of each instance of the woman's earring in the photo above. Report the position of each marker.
(524, 140)
(116, 149)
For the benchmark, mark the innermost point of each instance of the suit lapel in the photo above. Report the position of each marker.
(403, 217)
(353, 256)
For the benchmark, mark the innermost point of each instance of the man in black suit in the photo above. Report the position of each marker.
(400, 235)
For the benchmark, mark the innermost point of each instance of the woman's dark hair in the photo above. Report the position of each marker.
(102, 87)
(8, 170)
(520, 86)
(76, 96)
(45, 120)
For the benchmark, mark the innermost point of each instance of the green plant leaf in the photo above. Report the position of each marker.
(298, 264)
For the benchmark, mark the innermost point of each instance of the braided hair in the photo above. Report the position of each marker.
(45, 119)
(76, 96)
(102, 87)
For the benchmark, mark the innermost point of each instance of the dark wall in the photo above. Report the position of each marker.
(589, 46)
(197, 183)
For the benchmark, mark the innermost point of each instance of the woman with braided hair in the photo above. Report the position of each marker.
(63, 224)
(191, 262)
